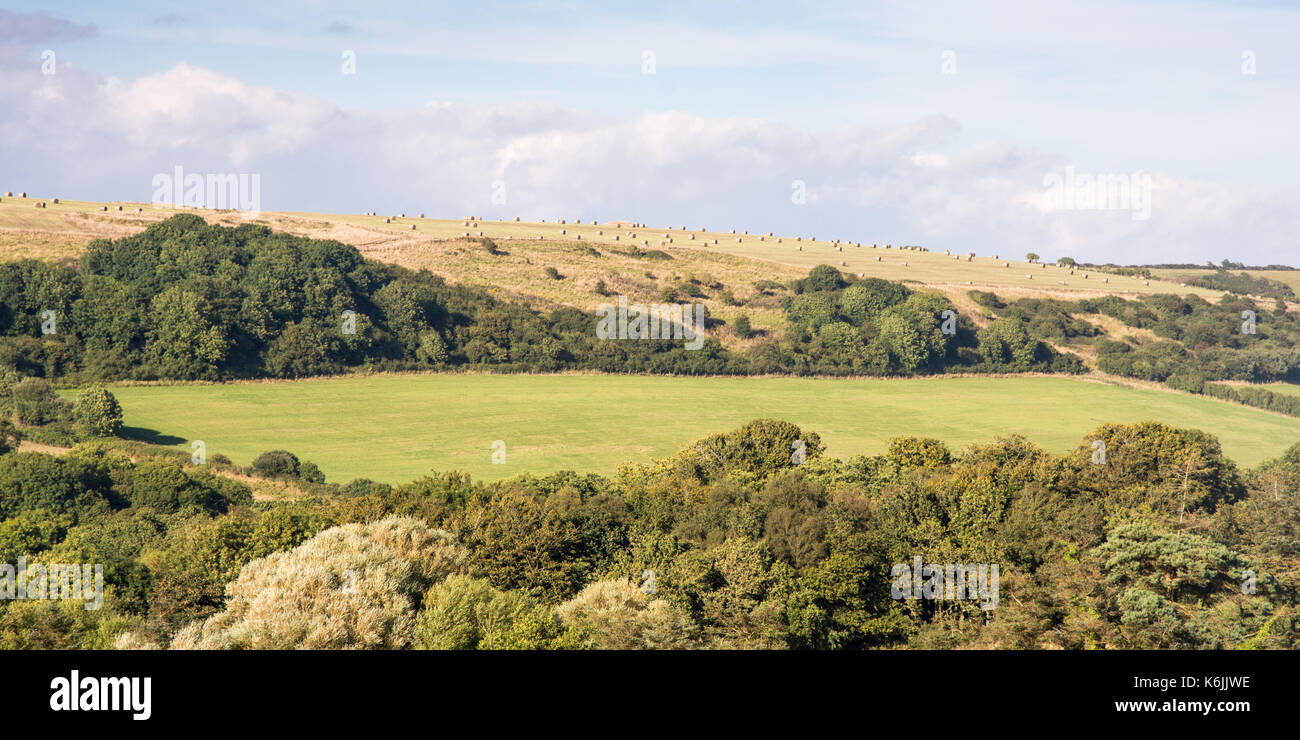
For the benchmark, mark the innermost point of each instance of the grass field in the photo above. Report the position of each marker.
(397, 427)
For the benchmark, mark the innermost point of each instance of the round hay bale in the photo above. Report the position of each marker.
(516, 219)
(412, 227)
(103, 208)
(843, 263)
(55, 201)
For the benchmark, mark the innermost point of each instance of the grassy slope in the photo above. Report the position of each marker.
(395, 428)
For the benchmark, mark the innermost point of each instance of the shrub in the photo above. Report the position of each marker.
(743, 329)
(464, 613)
(99, 413)
(276, 464)
(351, 587)
(616, 615)
(36, 403)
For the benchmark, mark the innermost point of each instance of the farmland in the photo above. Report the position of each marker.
(395, 428)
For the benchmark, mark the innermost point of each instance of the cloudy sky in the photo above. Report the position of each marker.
(955, 125)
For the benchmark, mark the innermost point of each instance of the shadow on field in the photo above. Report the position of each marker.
(151, 436)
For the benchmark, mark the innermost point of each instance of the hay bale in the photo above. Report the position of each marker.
(119, 208)
(516, 219)
(1105, 280)
(843, 263)
(103, 208)
(564, 231)
(387, 220)
(23, 194)
(1062, 282)
(1031, 277)
(616, 237)
(421, 215)
(55, 201)
(878, 259)
(412, 227)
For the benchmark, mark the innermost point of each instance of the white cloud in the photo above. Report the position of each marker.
(79, 135)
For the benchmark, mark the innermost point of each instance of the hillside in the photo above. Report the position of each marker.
(444, 246)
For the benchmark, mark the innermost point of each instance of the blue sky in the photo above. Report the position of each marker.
(852, 98)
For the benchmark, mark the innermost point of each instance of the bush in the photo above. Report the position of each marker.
(616, 615)
(36, 403)
(553, 274)
(98, 412)
(464, 613)
(743, 329)
(350, 587)
(276, 464)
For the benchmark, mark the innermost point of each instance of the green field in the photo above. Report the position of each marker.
(395, 428)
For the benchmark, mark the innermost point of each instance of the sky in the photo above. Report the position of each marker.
(1133, 132)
